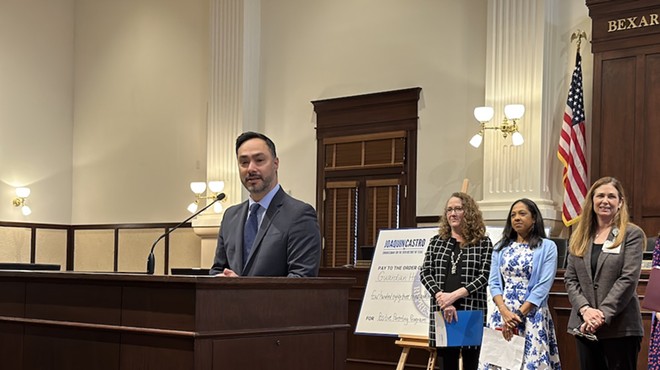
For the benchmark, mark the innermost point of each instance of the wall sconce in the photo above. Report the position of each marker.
(512, 113)
(199, 187)
(21, 199)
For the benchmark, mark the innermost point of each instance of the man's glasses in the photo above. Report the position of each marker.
(457, 210)
(578, 333)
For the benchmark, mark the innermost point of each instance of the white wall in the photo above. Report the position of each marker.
(577, 17)
(133, 77)
(141, 71)
(36, 100)
(319, 49)
(573, 15)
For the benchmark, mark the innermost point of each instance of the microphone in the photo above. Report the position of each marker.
(151, 260)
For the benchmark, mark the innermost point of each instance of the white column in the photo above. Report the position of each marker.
(519, 68)
(233, 104)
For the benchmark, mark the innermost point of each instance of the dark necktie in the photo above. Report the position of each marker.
(250, 231)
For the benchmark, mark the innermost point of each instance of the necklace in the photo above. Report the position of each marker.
(454, 262)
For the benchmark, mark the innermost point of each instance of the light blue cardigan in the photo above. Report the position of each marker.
(544, 269)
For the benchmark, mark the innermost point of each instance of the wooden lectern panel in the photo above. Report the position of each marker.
(54, 347)
(11, 350)
(280, 352)
(69, 320)
(160, 352)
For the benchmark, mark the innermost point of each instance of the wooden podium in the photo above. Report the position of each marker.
(68, 320)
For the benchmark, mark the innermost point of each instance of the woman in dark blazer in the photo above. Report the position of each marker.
(455, 272)
(604, 265)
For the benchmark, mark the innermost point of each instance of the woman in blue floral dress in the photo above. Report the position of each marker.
(654, 346)
(523, 268)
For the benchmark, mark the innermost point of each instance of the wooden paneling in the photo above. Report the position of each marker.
(649, 209)
(11, 350)
(275, 351)
(364, 138)
(620, 24)
(626, 92)
(384, 111)
(616, 123)
(51, 347)
(625, 130)
(71, 321)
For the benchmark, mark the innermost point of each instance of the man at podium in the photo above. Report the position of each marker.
(271, 233)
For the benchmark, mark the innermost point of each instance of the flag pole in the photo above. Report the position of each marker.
(579, 35)
(572, 144)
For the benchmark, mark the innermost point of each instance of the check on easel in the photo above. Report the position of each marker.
(467, 331)
(395, 300)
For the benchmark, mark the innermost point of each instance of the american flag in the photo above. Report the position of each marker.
(572, 149)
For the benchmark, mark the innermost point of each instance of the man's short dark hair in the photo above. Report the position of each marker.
(249, 135)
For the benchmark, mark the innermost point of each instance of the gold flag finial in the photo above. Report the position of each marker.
(579, 35)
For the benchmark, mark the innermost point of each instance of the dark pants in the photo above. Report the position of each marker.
(608, 354)
(448, 357)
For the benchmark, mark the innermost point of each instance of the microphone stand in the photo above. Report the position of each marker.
(151, 260)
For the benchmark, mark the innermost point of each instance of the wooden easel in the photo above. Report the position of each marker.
(464, 187)
(413, 341)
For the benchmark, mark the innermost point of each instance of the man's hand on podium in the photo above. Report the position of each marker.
(227, 273)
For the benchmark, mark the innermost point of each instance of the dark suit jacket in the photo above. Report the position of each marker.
(613, 289)
(288, 242)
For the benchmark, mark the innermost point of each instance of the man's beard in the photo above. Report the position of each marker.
(258, 187)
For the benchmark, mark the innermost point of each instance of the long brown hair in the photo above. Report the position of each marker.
(473, 228)
(588, 224)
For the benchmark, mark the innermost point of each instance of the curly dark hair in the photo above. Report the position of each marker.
(473, 228)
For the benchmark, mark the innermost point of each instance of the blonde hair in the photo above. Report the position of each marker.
(473, 228)
(588, 224)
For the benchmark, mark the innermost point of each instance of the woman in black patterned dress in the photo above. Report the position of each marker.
(455, 272)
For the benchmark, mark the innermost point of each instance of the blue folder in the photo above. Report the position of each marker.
(467, 331)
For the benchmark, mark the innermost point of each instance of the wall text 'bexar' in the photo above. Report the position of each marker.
(628, 23)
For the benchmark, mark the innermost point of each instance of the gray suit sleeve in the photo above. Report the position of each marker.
(572, 283)
(304, 244)
(221, 261)
(625, 286)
